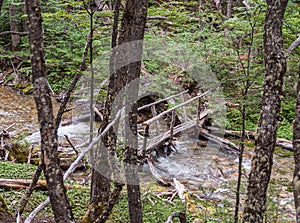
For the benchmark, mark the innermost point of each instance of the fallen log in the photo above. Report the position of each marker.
(223, 143)
(23, 184)
(284, 143)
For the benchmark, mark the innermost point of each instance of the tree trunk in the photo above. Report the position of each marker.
(296, 145)
(262, 160)
(100, 186)
(1, 4)
(132, 28)
(49, 155)
(229, 9)
(228, 15)
(136, 30)
(24, 20)
(15, 38)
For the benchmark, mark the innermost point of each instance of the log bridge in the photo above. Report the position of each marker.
(187, 123)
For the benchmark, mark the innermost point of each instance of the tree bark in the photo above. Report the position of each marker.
(1, 4)
(49, 155)
(130, 30)
(100, 186)
(135, 15)
(24, 20)
(229, 9)
(296, 145)
(15, 38)
(262, 160)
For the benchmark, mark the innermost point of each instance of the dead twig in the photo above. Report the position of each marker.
(71, 144)
(30, 154)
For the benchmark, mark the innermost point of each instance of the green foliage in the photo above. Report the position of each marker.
(11, 170)
(66, 27)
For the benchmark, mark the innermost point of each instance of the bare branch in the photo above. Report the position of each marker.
(12, 32)
(73, 166)
(156, 17)
(292, 47)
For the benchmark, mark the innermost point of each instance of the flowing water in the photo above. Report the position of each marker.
(19, 109)
(192, 164)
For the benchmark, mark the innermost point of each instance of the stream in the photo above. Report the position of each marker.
(208, 171)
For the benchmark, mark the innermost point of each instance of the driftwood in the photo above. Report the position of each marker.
(284, 143)
(5, 131)
(180, 189)
(224, 143)
(157, 140)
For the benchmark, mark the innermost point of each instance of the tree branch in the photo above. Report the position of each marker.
(292, 47)
(12, 32)
(73, 165)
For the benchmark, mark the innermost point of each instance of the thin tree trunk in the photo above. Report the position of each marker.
(24, 20)
(49, 155)
(1, 4)
(262, 160)
(296, 145)
(100, 186)
(136, 30)
(129, 31)
(242, 147)
(15, 38)
(229, 9)
(114, 35)
(228, 15)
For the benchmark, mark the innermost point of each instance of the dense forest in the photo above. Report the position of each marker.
(150, 111)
